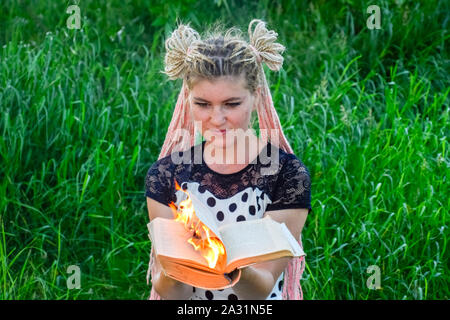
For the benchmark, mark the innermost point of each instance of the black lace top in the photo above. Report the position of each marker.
(275, 180)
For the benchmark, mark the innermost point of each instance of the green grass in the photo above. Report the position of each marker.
(83, 114)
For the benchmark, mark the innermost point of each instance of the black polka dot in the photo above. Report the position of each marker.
(220, 216)
(240, 218)
(202, 189)
(193, 289)
(211, 202)
(280, 285)
(184, 186)
(209, 295)
(244, 197)
(259, 207)
(273, 295)
(232, 207)
(252, 210)
(232, 297)
(262, 196)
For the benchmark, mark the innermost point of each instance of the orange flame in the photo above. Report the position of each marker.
(211, 248)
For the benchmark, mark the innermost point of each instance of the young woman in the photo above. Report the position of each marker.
(223, 86)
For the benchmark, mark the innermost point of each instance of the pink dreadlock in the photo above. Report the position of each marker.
(264, 49)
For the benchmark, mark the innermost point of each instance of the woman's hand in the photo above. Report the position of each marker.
(256, 281)
(169, 288)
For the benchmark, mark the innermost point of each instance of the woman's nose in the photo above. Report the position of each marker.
(217, 116)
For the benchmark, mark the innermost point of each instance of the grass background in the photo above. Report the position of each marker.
(83, 114)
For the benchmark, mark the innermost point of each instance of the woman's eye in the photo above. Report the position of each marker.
(203, 105)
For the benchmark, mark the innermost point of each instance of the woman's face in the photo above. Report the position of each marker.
(222, 106)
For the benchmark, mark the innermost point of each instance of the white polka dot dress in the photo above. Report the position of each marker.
(232, 198)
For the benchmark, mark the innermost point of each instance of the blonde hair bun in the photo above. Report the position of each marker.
(177, 46)
(263, 41)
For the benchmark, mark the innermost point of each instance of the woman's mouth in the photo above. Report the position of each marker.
(216, 131)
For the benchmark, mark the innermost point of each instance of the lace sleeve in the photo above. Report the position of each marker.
(293, 187)
(158, 182)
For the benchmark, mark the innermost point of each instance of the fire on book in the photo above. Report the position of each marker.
(203, 240)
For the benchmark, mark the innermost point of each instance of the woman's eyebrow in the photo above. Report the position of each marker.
(229, 99)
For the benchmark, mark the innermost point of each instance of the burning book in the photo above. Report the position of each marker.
(191, 248)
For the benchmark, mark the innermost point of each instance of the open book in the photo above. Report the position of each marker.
(245, 242)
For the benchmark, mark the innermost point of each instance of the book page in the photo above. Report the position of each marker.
(256, 238)
(204, 214)
(169, 238)
(297, 250)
